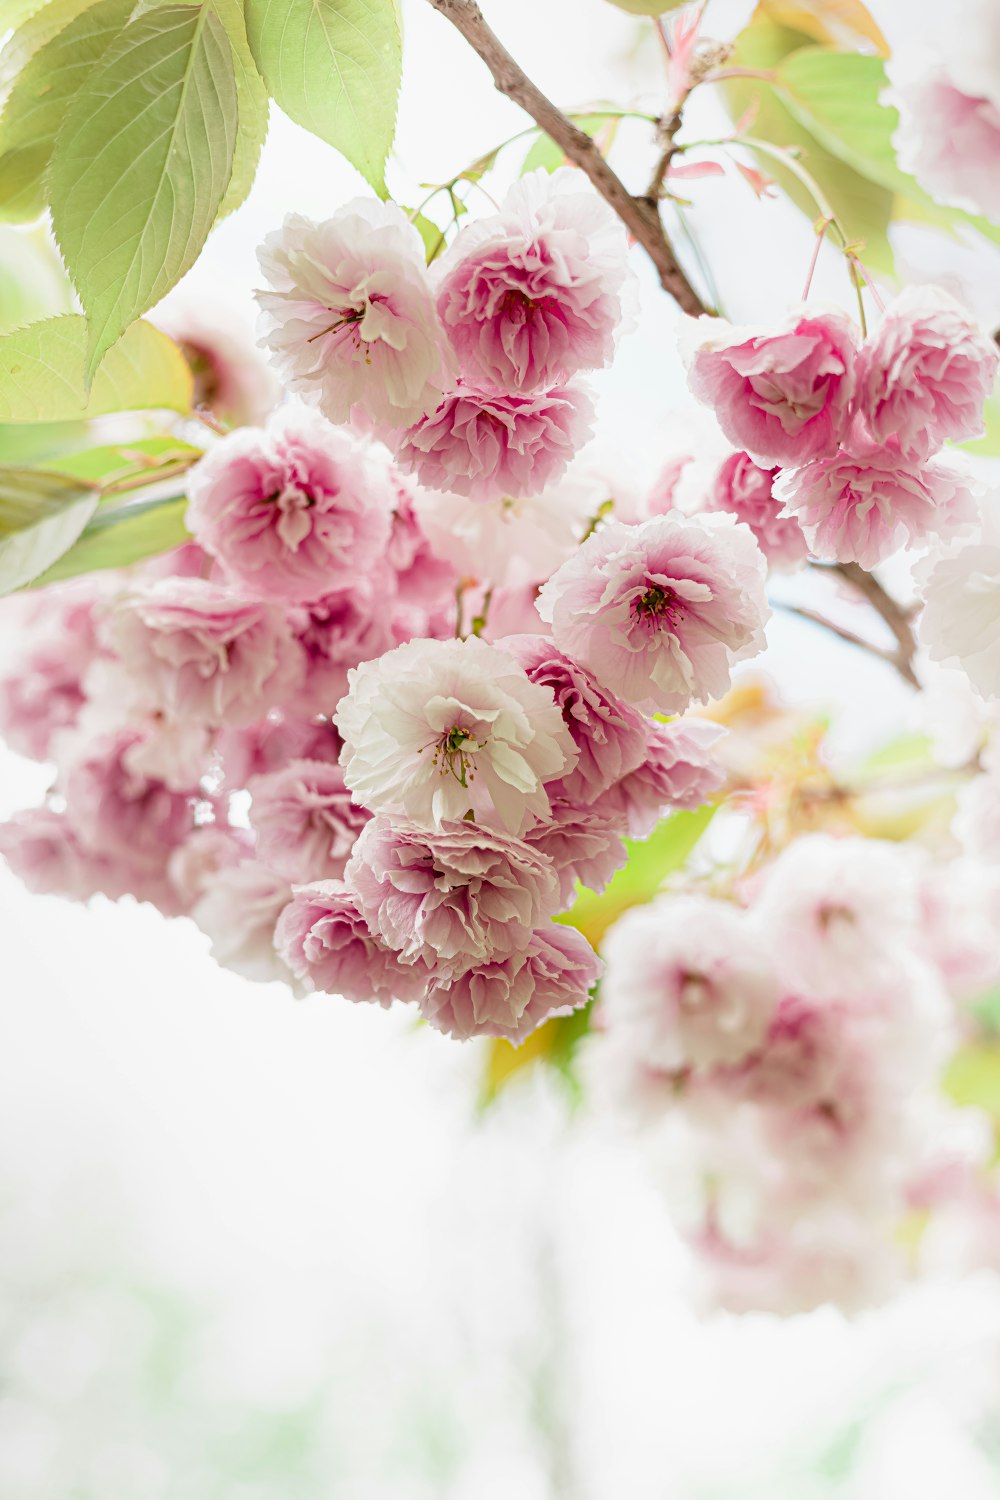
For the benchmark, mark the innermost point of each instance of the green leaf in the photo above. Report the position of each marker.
(32, 283)
(42, 373)
(648, 7)
(334, 67)
(41, 516)
(862, 206)
(988, 446)
(545, 153)
(39, 443)
(116, 538)
(650, 861)
(432, 234)
(252, 106)
(36, 105)
(836, 95)
(142, 164)
(972, 1078)
(118, 463)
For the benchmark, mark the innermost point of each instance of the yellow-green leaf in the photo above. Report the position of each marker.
(650, 861)
(252, 106)
(116, 538)
(141, 165)
(334, 67)
(36, 105)
(42, 373)
(841, 23)
(863, 207)
(41, 516)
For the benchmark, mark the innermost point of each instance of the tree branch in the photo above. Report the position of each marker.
(640, 215)
(895, 616)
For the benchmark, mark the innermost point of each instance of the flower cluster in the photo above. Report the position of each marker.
(468, 372)
(780, 1049)
(854, 426)
(313, 729)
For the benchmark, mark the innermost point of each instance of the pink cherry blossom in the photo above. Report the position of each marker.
(924, 375)
(53, 642)
(609, 735)
(532, 295)
(511, 997)
(435, 729)
(455, 897)
(293, 511)
(194, 864)
(324, 940)
(959, 624)
(863, 504)
(677, 770)
(267, 745)
(335, 633)
(305, 819)
(231, 377)
(349, 316)
(948, 134)
(198, 650)
(423, 574)
(238, 910)
(840, 912)
(117, 812)
(745, 490)
(662, 610)
(780, 393)
(583, 844)
(486, 444)
(512, 541)
(692, 981)
(42, 849)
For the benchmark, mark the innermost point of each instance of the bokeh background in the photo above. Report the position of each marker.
(254, 1249)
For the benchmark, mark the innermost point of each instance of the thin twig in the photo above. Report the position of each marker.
(896, 617)
(640, 215)
(844, 633)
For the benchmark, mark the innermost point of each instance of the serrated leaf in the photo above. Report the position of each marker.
(650, 861)
(837, 96)
(142, 164)
(863, 207)
(252, 106)
(117, 538)
(334, 67)
(42, 373)
(432, 234)
(41, 516)
(38, 99)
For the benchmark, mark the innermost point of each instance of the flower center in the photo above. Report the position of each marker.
(346, 316)
(454, 754)
(658, 606)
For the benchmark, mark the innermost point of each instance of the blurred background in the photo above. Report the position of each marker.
(258, 1249)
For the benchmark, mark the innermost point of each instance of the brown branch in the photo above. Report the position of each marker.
(843, 631)
(893, 613)
(640, 215)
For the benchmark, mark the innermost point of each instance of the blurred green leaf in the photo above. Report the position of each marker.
(988, 446)
(116, 538)
(118, 462)
(334, 67)
(32, 283)
(863, 207)
(554, 1043)
(544, 152)
(837, 96)
(42, 373)
(650, 861)
(972, 1078)
(834, 22)
(41, 516)
(648, 7)
(431, 234)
